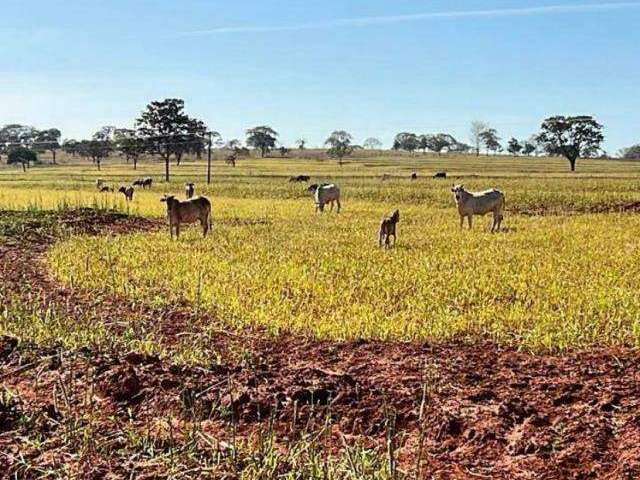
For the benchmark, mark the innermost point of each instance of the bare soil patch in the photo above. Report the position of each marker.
(456, 410)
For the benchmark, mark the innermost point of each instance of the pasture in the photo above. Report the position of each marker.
(275, 285)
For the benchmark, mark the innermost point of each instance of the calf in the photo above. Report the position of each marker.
(388, 229)
(105, 188)
(147, 182)
(189, 189)
(300, 178)
(481, 203)
(440, 175)
(414, 176)
(138, 183)
(127, 192)
(190, 211)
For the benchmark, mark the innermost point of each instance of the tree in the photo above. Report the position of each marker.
(406, 141)
(372, 143)
(631, 153)
(23, 156)
(460, 147)
(105, 134)
(284, 151)
(70, 146)
(477, 128)
(16, 135)
(528, 148)
(262, 138)
(514, 147)
(48, 140)
(491, 140)
(571, 137)
(163, 125)
(340, 145)
(129, 144)
(301, 143)
(438, 142)
(96, 150)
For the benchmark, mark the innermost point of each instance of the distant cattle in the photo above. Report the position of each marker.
(145, 183)
(414, 176)
(326, 193)
(481, 203)
(189, 189)
(105, 188)
(138, 182)
(127, 192)
(190, 211)
(440, 175)
(300, 178)
(388, 229)
(386, 177)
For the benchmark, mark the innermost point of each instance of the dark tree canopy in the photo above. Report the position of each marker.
(23, 156)
(491, 140)
(437, 142)
(48, 139)
(96, 150)
(263, 138)
(168, 131)
(406, 141)
(129, 144)
(631, 153)
(571, 137)
(528, 148)
(514, 147)
(340, 145)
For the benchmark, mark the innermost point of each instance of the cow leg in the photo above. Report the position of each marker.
(171, 230)
(469, 218)
(380, 237)
(339, 206)
(461, 222)
(331, 207)
(177, 231)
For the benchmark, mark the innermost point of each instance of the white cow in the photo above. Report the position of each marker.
(326, 193)
(481, 203)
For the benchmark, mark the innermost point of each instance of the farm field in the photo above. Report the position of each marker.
(291, 334)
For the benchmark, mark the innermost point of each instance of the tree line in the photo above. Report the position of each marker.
(165, 130)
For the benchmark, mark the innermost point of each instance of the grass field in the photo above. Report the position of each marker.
(559, 277)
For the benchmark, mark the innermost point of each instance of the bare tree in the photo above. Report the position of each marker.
(477, 129)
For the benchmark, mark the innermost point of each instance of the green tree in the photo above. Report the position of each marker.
(263, 138)
(96, 150)
(571, 137)
(23, 156)
(129, 144)
(70, 146)
(340, 145)
(406, 141)
(528, 148)
(48, 140)
(165, 127)
(631, 153)
(301, 143)
(491, 140)
(438, 142)
(514, 147)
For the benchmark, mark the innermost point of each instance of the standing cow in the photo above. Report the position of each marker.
(325, 193)
(481, 203)
(189, 190)
(189, 211)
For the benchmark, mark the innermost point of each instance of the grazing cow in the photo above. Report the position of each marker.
(190, 211)
(127, 192)
(386, 177)
(470, 204)
(388, 229)
(325, 193)
(189, 189)
(105, 188)
(138, 183)
(147, 182)
(440, 175)
(414, 176)
(300, 178)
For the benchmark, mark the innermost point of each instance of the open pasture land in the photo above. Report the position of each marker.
(286, 334)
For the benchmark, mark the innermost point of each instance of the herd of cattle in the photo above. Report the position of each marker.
(198, 209)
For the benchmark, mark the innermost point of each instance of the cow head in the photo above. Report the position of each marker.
(458, 191)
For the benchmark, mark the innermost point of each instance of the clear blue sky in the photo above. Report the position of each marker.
(307, 67)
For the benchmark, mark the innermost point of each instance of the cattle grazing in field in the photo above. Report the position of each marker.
(105, 188)
(388, 229)
(138, 182)
(147, 182)
(414, 176)
(325, 193)
(189, 190)
(481, 203)
(300, 178)
(189, 211)
(440, 175)
(127, 192)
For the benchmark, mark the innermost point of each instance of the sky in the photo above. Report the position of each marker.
(308, 67)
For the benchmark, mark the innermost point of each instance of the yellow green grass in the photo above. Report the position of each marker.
(549, 282)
